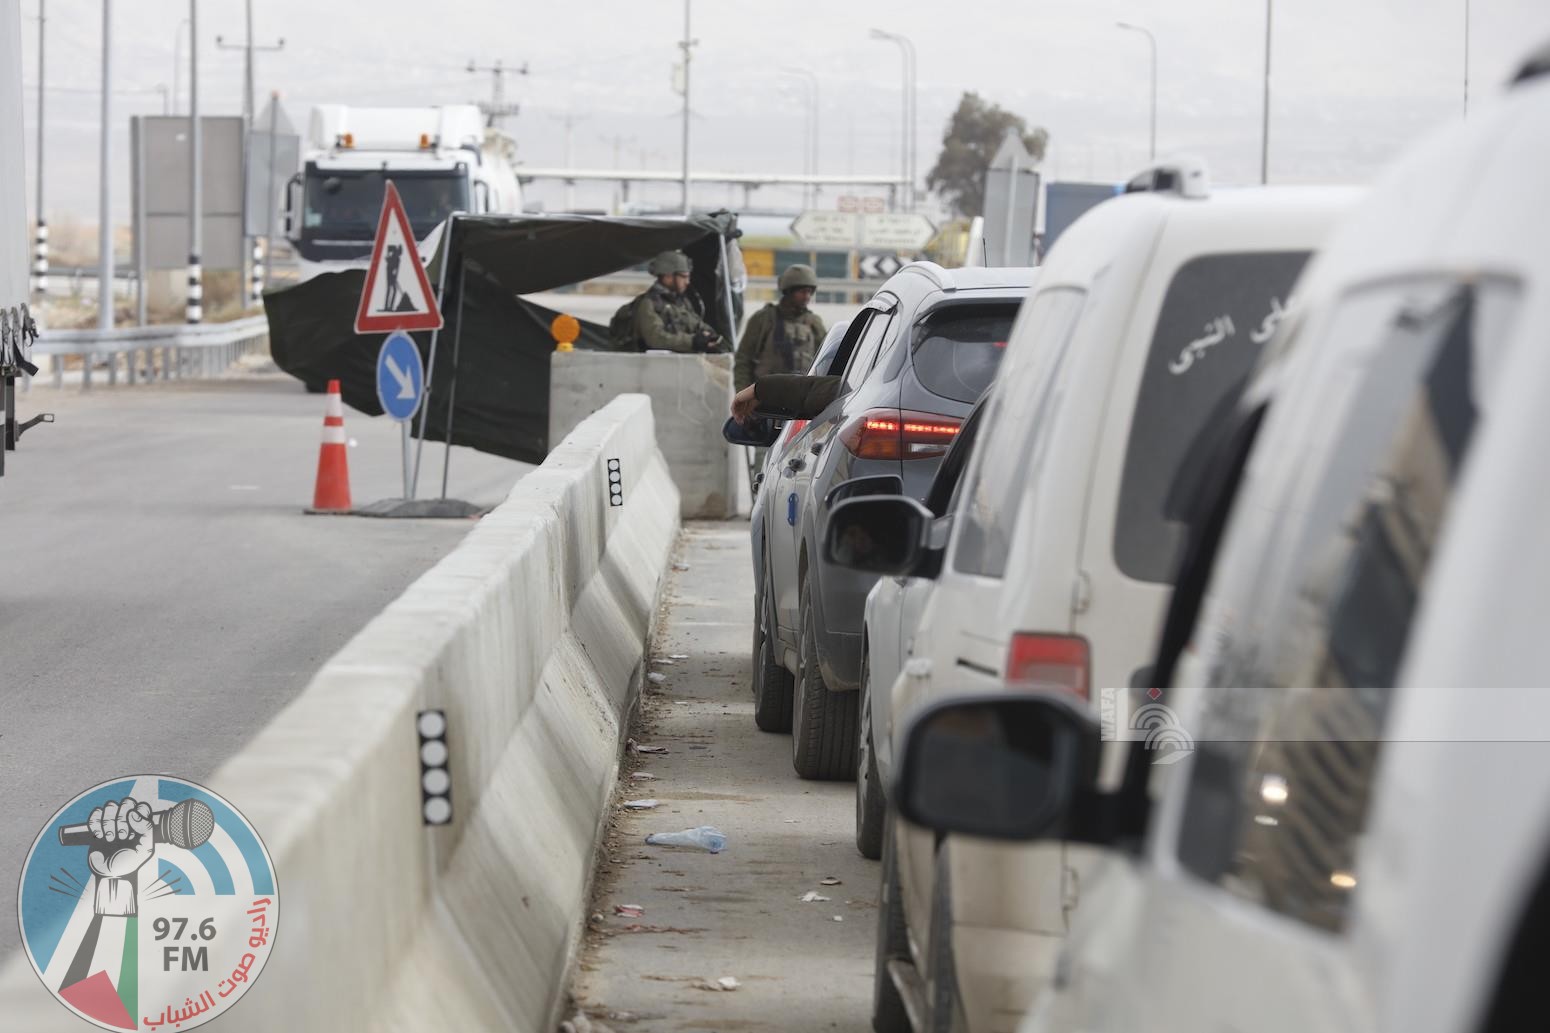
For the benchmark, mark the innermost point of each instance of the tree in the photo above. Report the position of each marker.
(970, 142)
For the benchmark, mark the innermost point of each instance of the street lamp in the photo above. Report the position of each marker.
(908, 50)
(1264, 133)
(810, 152)
(1153, 41)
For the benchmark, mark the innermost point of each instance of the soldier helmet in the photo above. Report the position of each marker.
(797, 276)
(669, 262)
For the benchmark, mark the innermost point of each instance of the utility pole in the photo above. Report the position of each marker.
(1264, 138)
(40, 242)
(256, 272)
(104, 207)
(570, 121)
(687, 46)
(194, 311)
(497, 108)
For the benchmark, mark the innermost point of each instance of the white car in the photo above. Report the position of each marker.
(1128, 353)
(1362, 840)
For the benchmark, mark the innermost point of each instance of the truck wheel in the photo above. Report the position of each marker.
(871, 805)
(823, 723)
(771, 681)
(892, 944)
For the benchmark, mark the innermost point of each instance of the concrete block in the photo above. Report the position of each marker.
(691, 396)
(531, 635)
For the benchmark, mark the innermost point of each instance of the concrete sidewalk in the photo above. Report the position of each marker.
(739, 914)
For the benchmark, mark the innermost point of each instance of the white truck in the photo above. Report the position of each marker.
(441, 159)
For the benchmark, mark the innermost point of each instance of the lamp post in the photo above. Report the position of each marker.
(104, 202)
(177, 63)
(1151, 39)
(907, 49)
(1264, 134)
(810, 151)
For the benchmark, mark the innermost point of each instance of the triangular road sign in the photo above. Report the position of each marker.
(397, 295)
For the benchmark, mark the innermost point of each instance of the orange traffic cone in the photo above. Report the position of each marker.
(332, 494)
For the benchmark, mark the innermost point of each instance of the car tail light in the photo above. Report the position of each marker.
(1056, 663)
(794, 428)
(899, 434)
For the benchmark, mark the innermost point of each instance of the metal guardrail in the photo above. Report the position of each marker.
(156, 352)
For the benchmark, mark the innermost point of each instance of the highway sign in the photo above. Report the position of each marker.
(902, 231)
(400, 377)
(827, 229)
(878, 267)
(397, 295)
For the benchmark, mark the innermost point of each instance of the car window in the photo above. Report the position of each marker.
(958, 348)
(1278, 795)
(866, 349)
(1019, 406)
(1216, 317)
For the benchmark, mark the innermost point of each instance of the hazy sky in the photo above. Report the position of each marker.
(1353, 80)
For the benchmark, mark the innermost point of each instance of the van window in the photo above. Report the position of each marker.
(1279, 793)
(1218, 313)
(1009, 455)
(958, 348)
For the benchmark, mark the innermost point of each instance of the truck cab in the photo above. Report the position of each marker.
(442, 160)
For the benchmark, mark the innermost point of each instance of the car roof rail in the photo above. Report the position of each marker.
(1537, 65)
(1184, 176)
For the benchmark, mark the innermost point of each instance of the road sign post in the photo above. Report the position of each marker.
(401, 387)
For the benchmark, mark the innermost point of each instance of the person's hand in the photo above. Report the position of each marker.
(705, 340)
(743, 404)
(125, 838)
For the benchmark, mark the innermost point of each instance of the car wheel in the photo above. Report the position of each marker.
(771, 681)
(823, 723)
(945, 1011)
(871, 805)
(888, 1011)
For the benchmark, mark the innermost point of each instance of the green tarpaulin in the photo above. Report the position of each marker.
(491, 366)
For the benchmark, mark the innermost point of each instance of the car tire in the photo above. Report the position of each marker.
(944, 1010)
(823, 723)
(772, 683)
(871, 804)
(892, 944)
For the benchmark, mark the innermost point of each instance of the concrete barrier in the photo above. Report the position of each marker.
(691, 396)
(531, 636)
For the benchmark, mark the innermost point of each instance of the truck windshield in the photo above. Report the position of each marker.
(345, 205)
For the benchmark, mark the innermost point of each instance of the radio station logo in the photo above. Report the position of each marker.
(148, 902)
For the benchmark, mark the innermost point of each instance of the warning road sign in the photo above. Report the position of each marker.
(397, 295)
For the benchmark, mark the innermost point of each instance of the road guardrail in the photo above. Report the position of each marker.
(149, 353)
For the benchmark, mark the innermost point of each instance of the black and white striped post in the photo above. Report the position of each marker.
(196, 291)
(256, 283)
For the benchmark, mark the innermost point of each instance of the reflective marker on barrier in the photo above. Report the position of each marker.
(615, 483)
(435, 776)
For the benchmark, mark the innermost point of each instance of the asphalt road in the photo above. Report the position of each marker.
(162, 594)
(799, 966)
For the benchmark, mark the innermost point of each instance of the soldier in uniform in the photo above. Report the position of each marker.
(783, 337)
(666, 318)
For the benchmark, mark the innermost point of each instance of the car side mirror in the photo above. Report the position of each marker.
(999, 766)
(289, 220)
(758, 432)
(881, 484)
(877, 534)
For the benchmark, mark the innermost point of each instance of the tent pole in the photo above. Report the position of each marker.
(726, 294)
(430, 367)
(457, 347)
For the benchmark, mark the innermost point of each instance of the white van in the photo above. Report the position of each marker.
(1126, 357)
(1360, 839)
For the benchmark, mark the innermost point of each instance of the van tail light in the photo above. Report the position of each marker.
(899, 434)
(1053, 663)
(794, 428)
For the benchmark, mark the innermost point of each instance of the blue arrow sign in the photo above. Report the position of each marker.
(400, 377)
